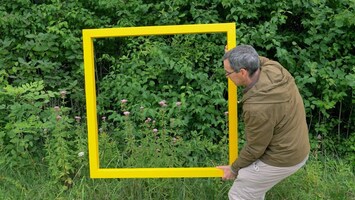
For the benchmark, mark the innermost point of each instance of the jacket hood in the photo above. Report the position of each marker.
(274, 84)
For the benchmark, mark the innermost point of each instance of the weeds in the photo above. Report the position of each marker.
(64, 174)
(311, 182)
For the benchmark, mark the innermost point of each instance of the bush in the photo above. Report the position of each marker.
(41, 54)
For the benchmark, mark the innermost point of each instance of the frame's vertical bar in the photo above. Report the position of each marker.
(90, 90)
(232, 103)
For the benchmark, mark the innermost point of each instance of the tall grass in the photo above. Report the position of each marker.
(319, 179)
(154, 144)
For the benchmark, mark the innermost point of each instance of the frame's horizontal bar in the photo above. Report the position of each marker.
(161, 30)
(156, 172)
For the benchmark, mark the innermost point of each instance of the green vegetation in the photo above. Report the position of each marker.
(43, 136)
(317, 181)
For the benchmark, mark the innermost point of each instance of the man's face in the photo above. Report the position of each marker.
(237, 77)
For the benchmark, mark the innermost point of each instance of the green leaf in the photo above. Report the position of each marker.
(40, 48)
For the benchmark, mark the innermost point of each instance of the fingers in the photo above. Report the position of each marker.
(224, 171)
(227, 175)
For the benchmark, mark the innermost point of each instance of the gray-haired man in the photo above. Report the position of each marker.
(277, 143)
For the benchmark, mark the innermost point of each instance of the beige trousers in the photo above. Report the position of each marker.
(255, 180)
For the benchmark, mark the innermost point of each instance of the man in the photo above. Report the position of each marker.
(277, 143)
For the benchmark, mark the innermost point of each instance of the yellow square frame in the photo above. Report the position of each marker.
(89, 66)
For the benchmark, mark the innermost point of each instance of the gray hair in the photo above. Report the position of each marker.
(243, 56)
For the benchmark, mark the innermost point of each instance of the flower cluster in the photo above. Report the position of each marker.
(81, 154)
(162, 103)
(123, 101)
(77, 118)
(58, 117)
(148, 120)
(63, 93)
(57, 108)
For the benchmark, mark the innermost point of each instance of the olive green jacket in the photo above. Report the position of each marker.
(275, 122)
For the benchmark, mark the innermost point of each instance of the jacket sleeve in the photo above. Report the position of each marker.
(259, 131)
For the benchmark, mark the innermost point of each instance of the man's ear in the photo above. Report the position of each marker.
(244, 72)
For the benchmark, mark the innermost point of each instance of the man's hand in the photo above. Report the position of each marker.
(228, 173)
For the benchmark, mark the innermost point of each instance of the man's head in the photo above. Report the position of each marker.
(240, 63)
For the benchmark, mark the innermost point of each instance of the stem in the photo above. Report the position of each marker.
(350, 114)
(310, 121)
(163, 121)
(341, 106)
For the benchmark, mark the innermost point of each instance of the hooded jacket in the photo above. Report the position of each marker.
(275, 121)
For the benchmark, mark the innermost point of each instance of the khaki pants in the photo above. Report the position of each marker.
(255, 180)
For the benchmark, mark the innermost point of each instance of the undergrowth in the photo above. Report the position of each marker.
(319, 179)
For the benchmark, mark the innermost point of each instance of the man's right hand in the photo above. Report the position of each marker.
(228, 173)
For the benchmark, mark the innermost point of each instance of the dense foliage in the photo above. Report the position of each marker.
(42, 79)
